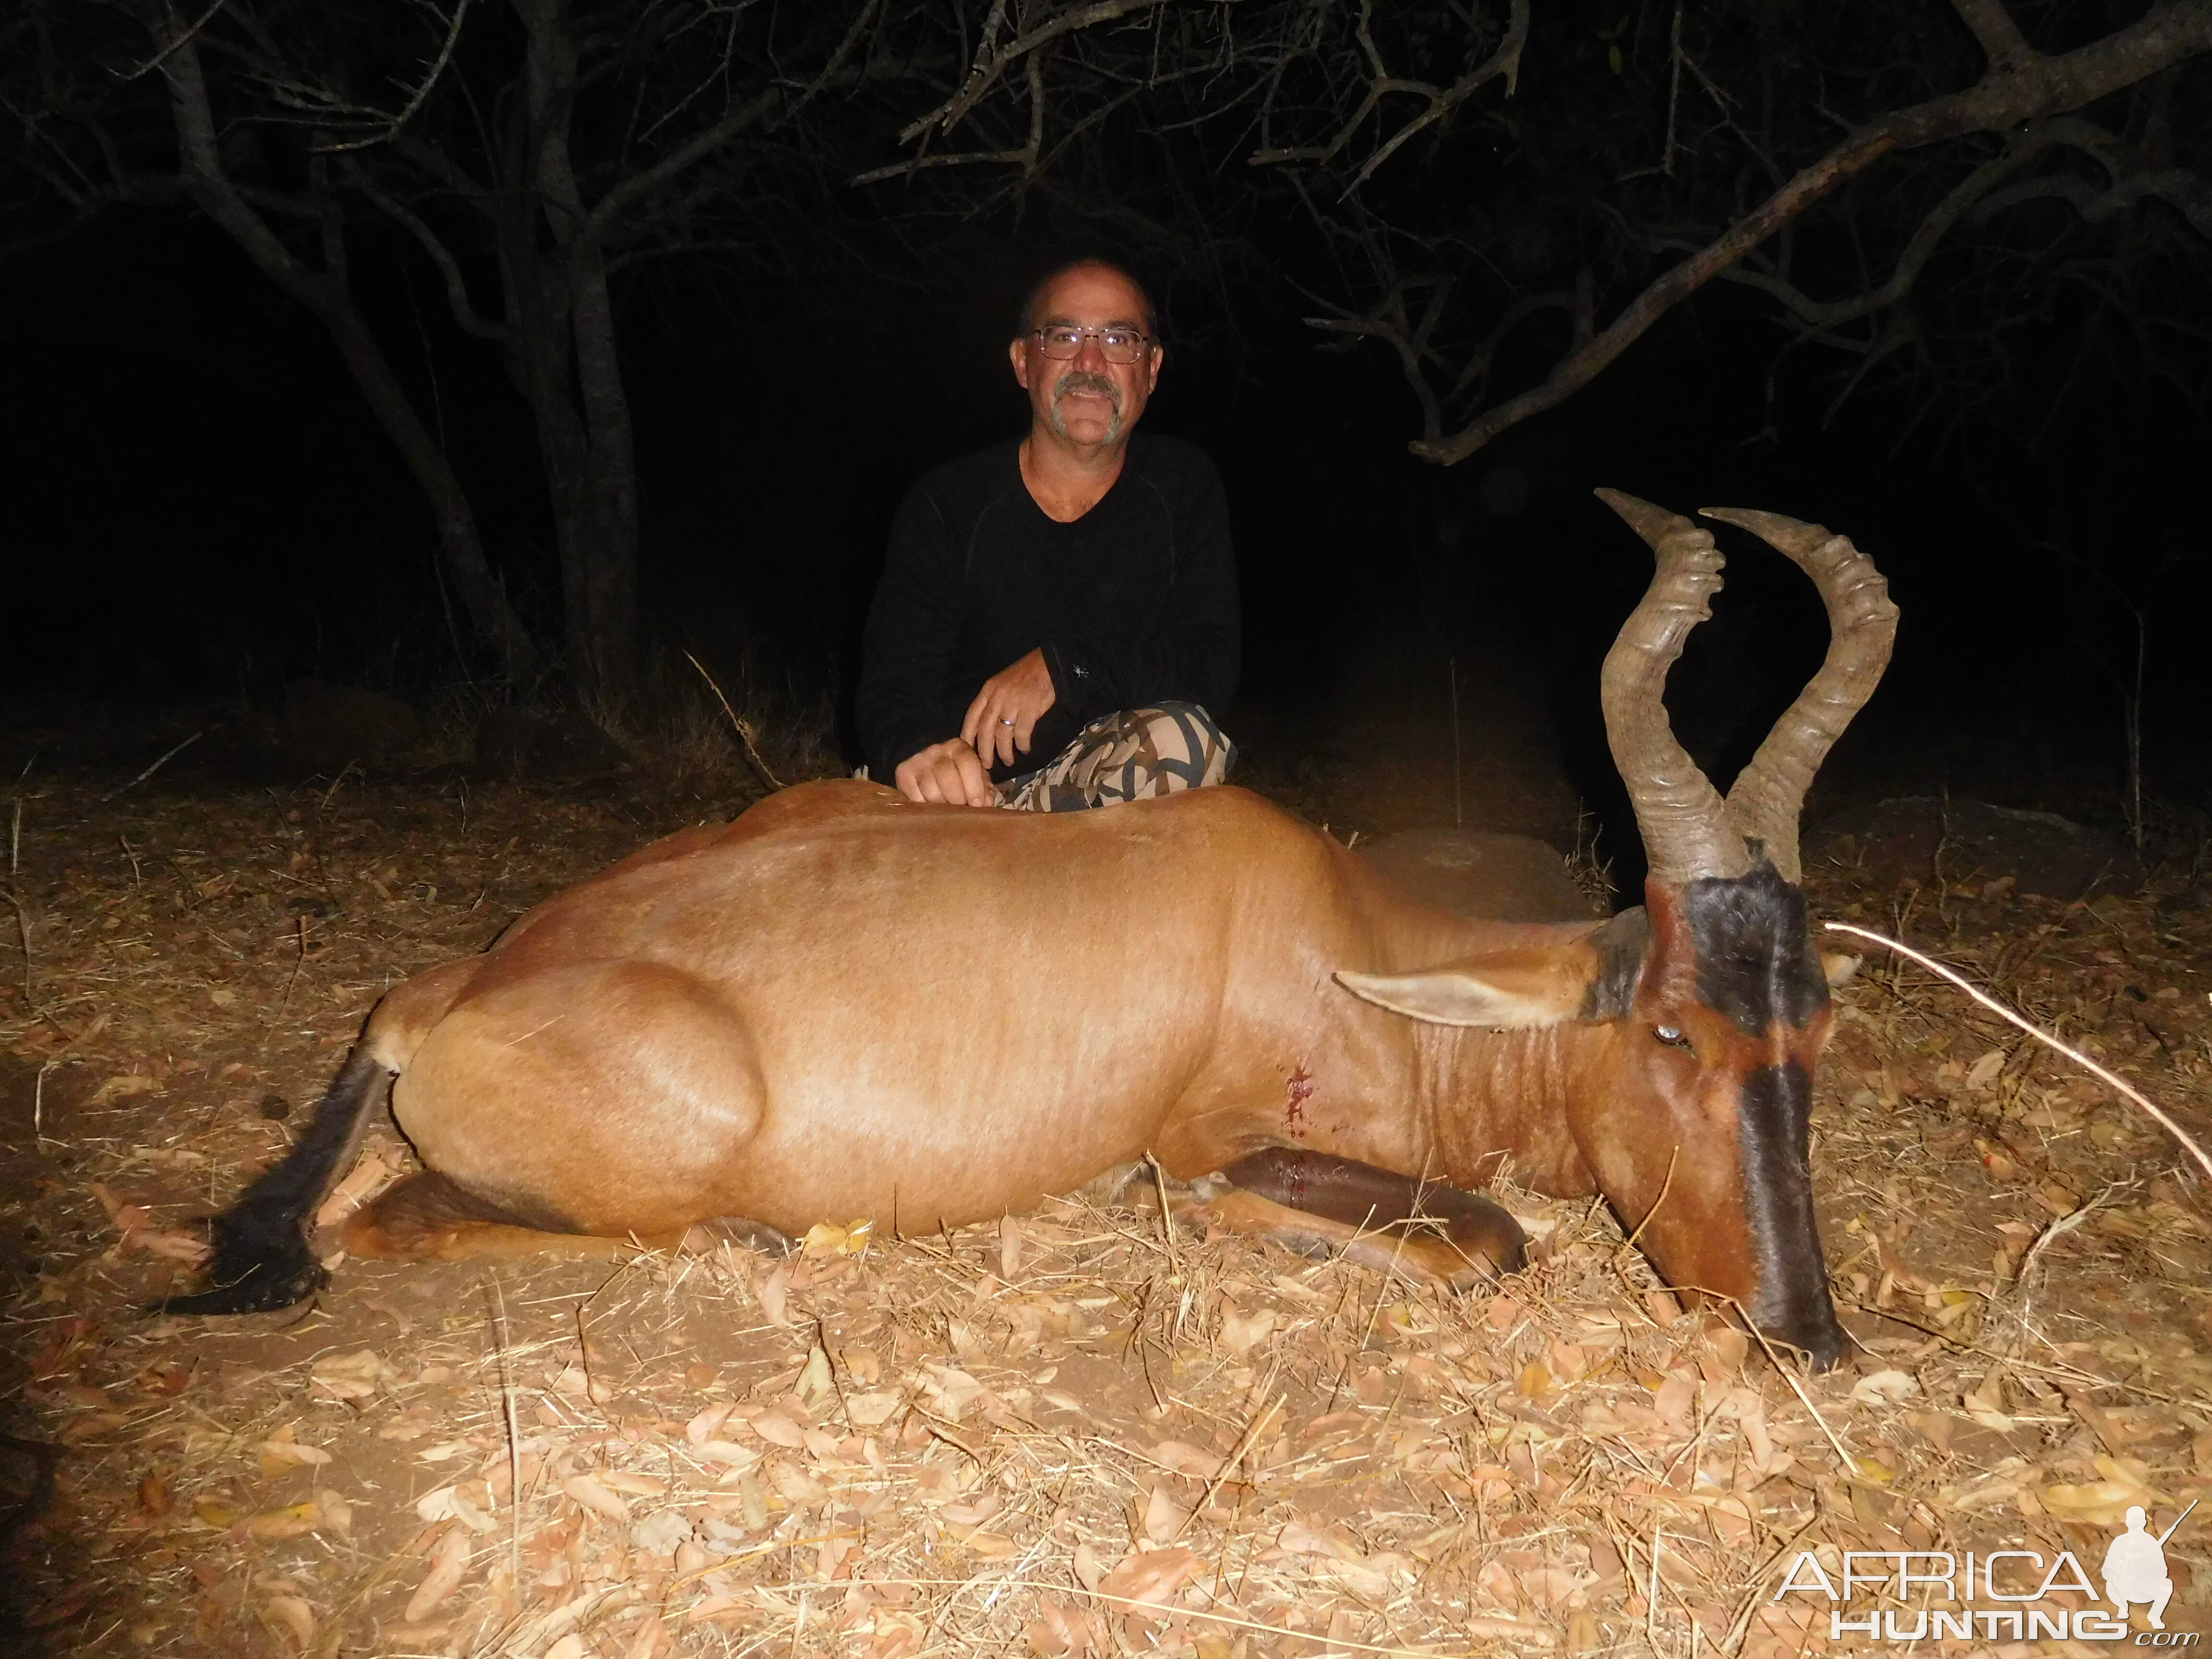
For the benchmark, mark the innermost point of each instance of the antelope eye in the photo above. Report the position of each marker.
(1671, 1036)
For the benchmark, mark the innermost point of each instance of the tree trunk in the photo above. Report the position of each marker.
(611, 474)
(327, 294)
(567, 368)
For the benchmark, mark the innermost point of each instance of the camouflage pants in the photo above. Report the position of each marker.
(1132, 755)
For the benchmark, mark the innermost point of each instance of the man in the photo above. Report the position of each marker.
(1057, 616)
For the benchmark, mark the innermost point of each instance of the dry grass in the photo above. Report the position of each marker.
(1072, 1432)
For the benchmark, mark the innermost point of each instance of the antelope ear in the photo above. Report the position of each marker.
(1839, 968)
(1504, 990)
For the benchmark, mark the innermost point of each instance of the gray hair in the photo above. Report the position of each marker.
(1028, 321)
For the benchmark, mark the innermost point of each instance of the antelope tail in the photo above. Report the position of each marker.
(259, 1257)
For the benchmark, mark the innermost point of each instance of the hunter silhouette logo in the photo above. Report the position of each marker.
(1919, 1582)
(2135, 1568)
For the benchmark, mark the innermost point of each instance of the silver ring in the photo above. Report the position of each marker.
(1006, 722)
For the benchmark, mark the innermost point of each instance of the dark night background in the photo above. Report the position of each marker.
(202, 508)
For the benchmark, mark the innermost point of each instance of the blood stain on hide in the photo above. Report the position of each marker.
(1294, 1114)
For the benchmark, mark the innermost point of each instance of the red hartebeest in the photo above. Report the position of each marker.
(842, 1003)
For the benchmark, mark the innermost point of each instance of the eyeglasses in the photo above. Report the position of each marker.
(1115, 346)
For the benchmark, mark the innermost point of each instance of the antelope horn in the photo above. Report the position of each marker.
(1769, 794)
(1687, 831)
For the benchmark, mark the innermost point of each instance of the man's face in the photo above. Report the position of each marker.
(1086, 400)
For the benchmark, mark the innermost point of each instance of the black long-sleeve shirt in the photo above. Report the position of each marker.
(1134, 603)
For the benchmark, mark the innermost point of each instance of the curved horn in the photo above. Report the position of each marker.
(1769, 794)
(1687, 832)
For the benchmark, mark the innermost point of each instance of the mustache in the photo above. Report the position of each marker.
(1078, 379)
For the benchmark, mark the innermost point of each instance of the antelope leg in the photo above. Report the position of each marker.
(1317, 1203)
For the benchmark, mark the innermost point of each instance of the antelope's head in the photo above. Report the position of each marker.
(1708, 1008)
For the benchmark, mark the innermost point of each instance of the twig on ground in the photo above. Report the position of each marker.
(513, 1429)
(124, 789)
(1940, 971)
(746, 734)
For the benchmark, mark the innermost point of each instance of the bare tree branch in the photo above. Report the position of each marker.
(2002, 99)
(950, 113)
(422, 92)
(1504, 65)
(1927, 236)
(1994, 27)
(457, 289)
(757, 111)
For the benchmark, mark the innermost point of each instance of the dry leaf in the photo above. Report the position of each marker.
(868, 1411)
(1090, 1570)
(295, 1615)
(594, 1496)
(1186, 1459)
(349, 1376)
(723, 1451)
(778, 1429)
(446, 1503)
(825, 1239)
(574, 1382)
(1060, 1631)
(898, 1635)
(280, 1452)
(1163, 1516)
(814, 1380)
(369, 1177)
(290, 1522)
(171, 1243)
(1241, 1333)
(1151, 1578)
(1984, 1403)
(449, 1564)
(121, 1087)
(1676, 1395)
(974, 1514)
(2099, 1502)
(337, 1512)
(799, 1489)
(1884, 1389)
(661, 1532)
(950, 1390)
(775, 1295)
(703, 1427)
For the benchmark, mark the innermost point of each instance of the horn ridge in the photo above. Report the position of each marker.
(1768, 796)
(1687, 832)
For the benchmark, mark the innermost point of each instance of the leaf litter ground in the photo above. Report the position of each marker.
(1080, 1432)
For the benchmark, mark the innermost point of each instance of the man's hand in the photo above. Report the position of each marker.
(948, 773)
(1006, 710)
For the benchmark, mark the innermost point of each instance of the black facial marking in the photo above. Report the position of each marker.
(1620, 944)
(1793, 1305)
(1755, 959)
